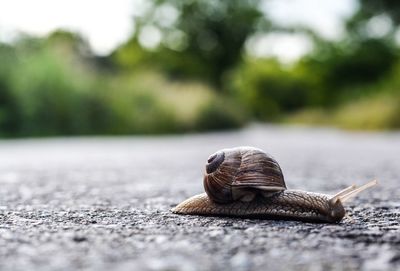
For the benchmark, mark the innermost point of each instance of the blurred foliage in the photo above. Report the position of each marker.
(370, 8)
(185, 69)
(204, 40)
(378, 112)
(344, 69)
(55, 87)
(268, 90)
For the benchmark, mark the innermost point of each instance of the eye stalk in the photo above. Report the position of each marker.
(337, 211)
(214, 161)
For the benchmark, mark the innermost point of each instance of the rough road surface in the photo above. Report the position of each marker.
(103, 204)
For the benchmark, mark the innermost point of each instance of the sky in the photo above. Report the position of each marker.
(107, 24)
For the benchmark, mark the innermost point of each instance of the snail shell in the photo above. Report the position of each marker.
(242, 173)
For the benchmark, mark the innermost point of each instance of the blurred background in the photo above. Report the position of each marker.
(169, 66)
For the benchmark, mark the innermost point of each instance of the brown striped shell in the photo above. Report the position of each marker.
(240, 174)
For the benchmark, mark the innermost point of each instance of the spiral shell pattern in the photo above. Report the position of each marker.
(232, 174)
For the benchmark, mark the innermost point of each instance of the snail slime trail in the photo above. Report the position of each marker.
(247, 182)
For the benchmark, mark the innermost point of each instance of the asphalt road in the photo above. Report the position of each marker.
(103, 203)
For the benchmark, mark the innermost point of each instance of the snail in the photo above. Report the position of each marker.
(247, 182)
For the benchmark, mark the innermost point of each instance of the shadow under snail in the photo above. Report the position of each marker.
(247, 182)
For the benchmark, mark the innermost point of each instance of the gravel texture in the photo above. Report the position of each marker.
(103, 203)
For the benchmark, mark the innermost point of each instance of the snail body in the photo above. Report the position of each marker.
(247, 182)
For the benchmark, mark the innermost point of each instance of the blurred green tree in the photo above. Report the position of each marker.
(268, 89)
(370, 8)
(341, 68)
(9, 114)
(364, 56)
(200, 39)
